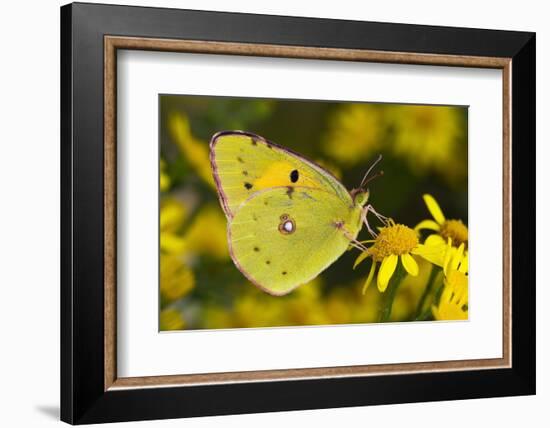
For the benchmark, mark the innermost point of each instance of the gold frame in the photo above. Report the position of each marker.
(113, 43)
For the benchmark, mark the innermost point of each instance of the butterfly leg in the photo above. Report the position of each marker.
(383, 219)
(352, 241)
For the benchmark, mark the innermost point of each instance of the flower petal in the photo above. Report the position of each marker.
(434, 240)
(434, 209)
(369, 278)
(434, 254)
(360, 258)
(447, 258)
(464, 263)
(427, 224)
(447, 295)
(409, 263)
(457, 257)
(387, 268)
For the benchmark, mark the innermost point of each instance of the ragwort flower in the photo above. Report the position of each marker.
(451, 229)
(394, 242)
(176, 278)
(164, 179)
(173, 214)
(434, 132)
(355, 133)
(196, 151)
(171, 319)
(453, 303)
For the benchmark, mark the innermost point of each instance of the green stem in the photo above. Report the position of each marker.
(428, 312)
(438, 293)
(427, 290)
(391, 291)
(425, 315)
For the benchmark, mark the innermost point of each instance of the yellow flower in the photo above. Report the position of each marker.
(176, 279)
(171, 319)
(173, 214)
(434, 250)
(394, 242)
(196, 151)
(430, 138)
(354, 133)
(455, 259)
(454, 230)
(207, 235)
(453, 304)
(164, 178)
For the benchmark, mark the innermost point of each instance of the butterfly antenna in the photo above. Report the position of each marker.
(365, 179)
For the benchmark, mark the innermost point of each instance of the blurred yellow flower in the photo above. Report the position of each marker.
(176, 279)
(173, 214)
(428, 137)
(196, 151)
(454, 230)
(354, 133)
(164, 178)
(254, 308)
(453, 303)
(171, 319)
(340, 306)
(207, 235)
(217, 316)
(401, 307)
(308, 307)
(395, 241)
(368, 304)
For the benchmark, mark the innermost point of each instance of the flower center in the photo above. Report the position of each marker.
(394, 239)
(456, 230)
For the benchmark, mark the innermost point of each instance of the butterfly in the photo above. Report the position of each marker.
(288, 218)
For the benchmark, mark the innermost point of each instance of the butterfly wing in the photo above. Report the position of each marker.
(283, 237)
(244, 163)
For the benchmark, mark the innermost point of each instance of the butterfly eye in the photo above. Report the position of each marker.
(294, 175)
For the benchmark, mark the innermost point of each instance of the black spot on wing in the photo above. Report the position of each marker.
(245, 173)
(284, 272)
(267, 262)
(248, 186)
(289, 191)
(240, 159)
(256, 249)
(294, 175)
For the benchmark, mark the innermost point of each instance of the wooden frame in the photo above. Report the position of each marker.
(86, 378)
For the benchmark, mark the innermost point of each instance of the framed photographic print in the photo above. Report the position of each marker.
(265, 213)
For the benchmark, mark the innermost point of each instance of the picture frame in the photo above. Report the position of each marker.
(91, 35)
